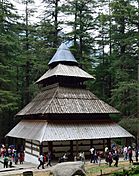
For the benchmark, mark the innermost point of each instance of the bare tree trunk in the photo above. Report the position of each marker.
(75, 23)
(110, 46)
(27, 64)
(81, 31)
(138, 97)
(56, 22)
(138, 88)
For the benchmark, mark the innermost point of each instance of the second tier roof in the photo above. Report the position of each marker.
(65, 70)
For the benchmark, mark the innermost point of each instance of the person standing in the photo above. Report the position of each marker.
(15, 156)
(106, 152)
(125, 151)
(44, 158)
(130, 154)
(95, 156)
(136, 154)
(92, 154)
(21, 157)
(116, 158)
(82, 156)
(99, 157)
(109, 158)
(6, 159)
(49, 158)
(41, 160)
(10, 161)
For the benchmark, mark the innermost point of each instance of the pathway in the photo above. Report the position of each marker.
(26, 166)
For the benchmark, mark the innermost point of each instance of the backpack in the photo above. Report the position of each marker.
(109, 157)
(38, 158)
(44, 159)
(130, 152)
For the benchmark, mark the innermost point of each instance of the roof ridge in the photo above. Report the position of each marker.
(92, 96)
(51, 100)
(44, 129)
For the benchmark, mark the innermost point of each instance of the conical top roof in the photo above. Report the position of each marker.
(63, 54)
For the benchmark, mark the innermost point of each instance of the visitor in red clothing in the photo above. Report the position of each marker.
(21, 157)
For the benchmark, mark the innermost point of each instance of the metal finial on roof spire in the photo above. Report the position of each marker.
(63, 54)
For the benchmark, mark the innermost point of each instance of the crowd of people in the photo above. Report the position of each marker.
(10, 154)
(113, 154)
(128, 153)
(110, 155)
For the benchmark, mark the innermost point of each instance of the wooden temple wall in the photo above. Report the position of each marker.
(32, 147)
(59, 148)
(32, 151)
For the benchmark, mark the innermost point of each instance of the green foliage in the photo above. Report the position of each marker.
(116, 74)
(123, 97)
(51, 13)
(80, 35)
(116, 117)
(131, 172)
(8, 53)
(8, 48)
(131, 124)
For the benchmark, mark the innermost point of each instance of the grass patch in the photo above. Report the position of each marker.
(134, 171)
(95, 170)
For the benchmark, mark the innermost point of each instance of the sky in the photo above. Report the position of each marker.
(21, 9)
(39, 8)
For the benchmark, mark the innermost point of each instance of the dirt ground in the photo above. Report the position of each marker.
(91, 169)
(96, 170)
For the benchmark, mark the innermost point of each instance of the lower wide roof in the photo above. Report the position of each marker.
(64, 100)
(42, 130)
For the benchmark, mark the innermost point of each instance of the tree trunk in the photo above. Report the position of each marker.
(81, 36)
(75, 23)
(138, 88)
(27, 65)
(56, 23)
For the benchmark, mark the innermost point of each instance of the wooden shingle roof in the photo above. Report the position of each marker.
(62, 100)
(42, 130)
(65, 70)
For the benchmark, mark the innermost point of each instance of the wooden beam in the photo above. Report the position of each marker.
(77, 148)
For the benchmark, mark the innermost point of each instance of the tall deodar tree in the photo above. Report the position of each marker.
(8, 54)
(26, 56)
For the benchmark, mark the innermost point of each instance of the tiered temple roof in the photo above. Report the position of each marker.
(64, 109)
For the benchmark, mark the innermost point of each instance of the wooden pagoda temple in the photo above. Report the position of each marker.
(65, 116)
